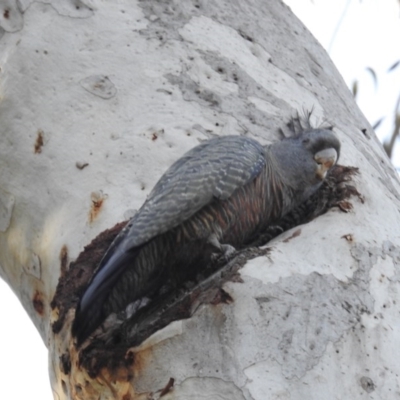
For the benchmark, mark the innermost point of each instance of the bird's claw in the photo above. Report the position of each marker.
(227, 252)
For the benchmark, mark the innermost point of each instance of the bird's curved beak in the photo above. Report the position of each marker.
(325, 159)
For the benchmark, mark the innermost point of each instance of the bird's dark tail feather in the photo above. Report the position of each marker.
(89, 313)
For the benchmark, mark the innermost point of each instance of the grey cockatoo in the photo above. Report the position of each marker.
(219, 195)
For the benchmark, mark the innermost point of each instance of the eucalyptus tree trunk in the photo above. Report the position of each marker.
(97, 100)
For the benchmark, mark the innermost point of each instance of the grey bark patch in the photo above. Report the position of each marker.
(191, 91)
(10, 16)
(303, 314)
(7, 202)
(72, 8)
(249, 117)
(391, 250)
(165, 20)
(99, 85)
(300, 315)
(205, 388)
(234, 74)
(367, 384)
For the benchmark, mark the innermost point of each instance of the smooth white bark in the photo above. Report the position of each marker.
(99, 98)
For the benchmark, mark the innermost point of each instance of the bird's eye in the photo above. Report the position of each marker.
(305, 141)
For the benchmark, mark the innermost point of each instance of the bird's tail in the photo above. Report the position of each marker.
(90, 311)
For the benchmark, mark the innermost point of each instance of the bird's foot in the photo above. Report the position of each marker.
(220, 258)
(225, 250)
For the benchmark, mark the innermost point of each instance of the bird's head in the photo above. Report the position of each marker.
(323, 146)
(303, 161)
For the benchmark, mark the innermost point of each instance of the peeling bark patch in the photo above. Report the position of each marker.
(39, 142)
(63, 260)
(245, 36)
(105, 387)
(97, 199)
(349, 237)
(10, 16)
(72, 8)
(168, 387)
(235, 104)
(81, 165)
(65, 364)
(100, 86)
(221, 297)
(367, 384)
(365, 133)
(345, 206)
(34, 268)
(37, 302)
(191, 91)
(295, 234)
(301, 314)
(252, 58)
(164, 20)
(156, 134)
(308, 311)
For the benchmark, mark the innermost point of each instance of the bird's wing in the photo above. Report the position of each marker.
(212, 170)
